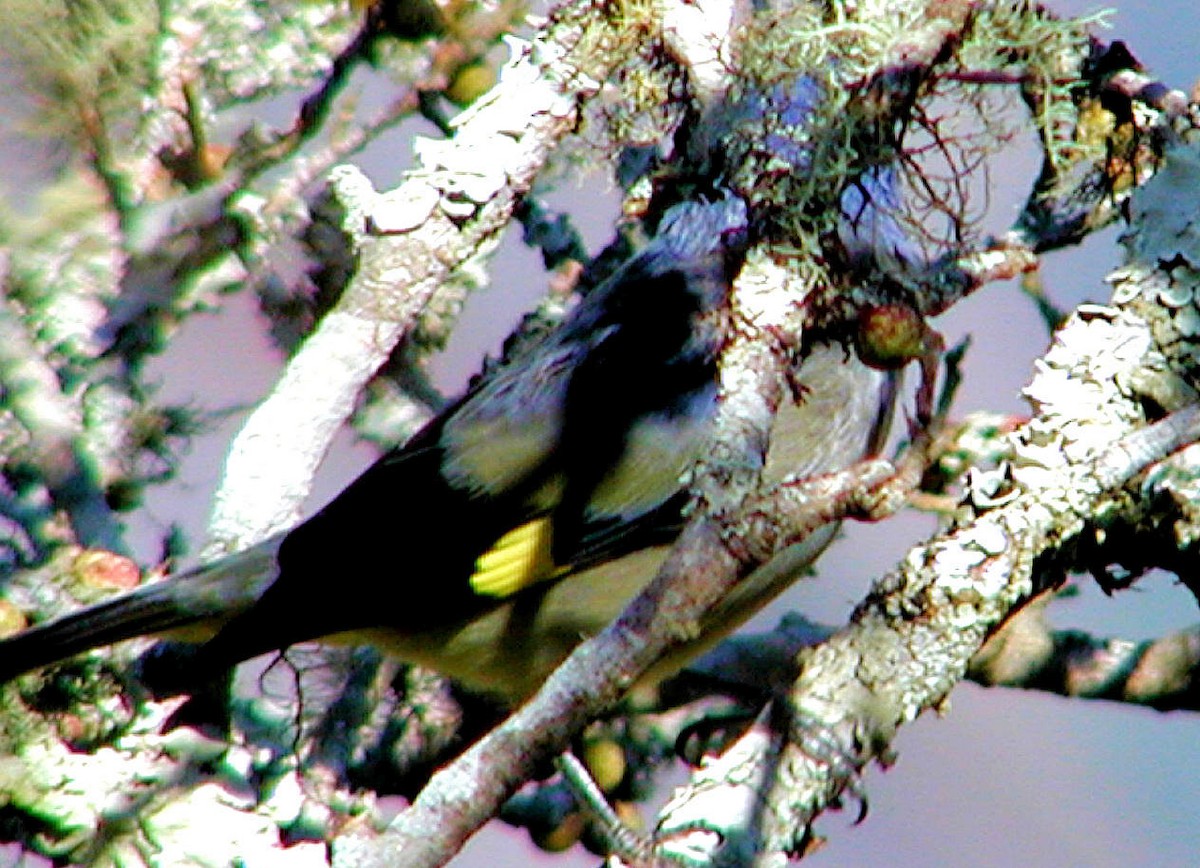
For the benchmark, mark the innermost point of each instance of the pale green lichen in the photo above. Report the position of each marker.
(251, 50)
(817, 101)
(90, 60)
(642, 99)
(63, 266)
(1049, 52)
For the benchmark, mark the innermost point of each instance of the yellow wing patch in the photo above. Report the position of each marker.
(517, 560)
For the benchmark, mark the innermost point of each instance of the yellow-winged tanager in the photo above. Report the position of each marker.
(524, 516)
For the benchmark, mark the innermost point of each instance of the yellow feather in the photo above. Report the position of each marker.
(517, 560)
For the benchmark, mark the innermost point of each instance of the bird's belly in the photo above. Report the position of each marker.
(510, 650)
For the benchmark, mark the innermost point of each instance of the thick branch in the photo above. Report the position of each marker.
(57, 446)
(1028, 653)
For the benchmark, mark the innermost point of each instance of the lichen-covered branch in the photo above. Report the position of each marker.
(909, 644)
(1027, 652)
(57, 451)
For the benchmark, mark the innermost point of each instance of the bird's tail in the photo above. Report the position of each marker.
(188, 607)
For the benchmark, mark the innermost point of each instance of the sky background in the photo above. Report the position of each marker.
(1003, 778)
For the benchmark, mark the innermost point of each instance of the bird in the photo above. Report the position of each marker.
(524, 515)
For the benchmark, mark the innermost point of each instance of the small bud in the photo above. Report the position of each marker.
(605, 760)
(563, 836)
(469, 83)
(104, 570)
(891, 335)
(71, 728)
(12, 619)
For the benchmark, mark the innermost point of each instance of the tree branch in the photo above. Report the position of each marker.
(409, 242)
(1026, 652)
